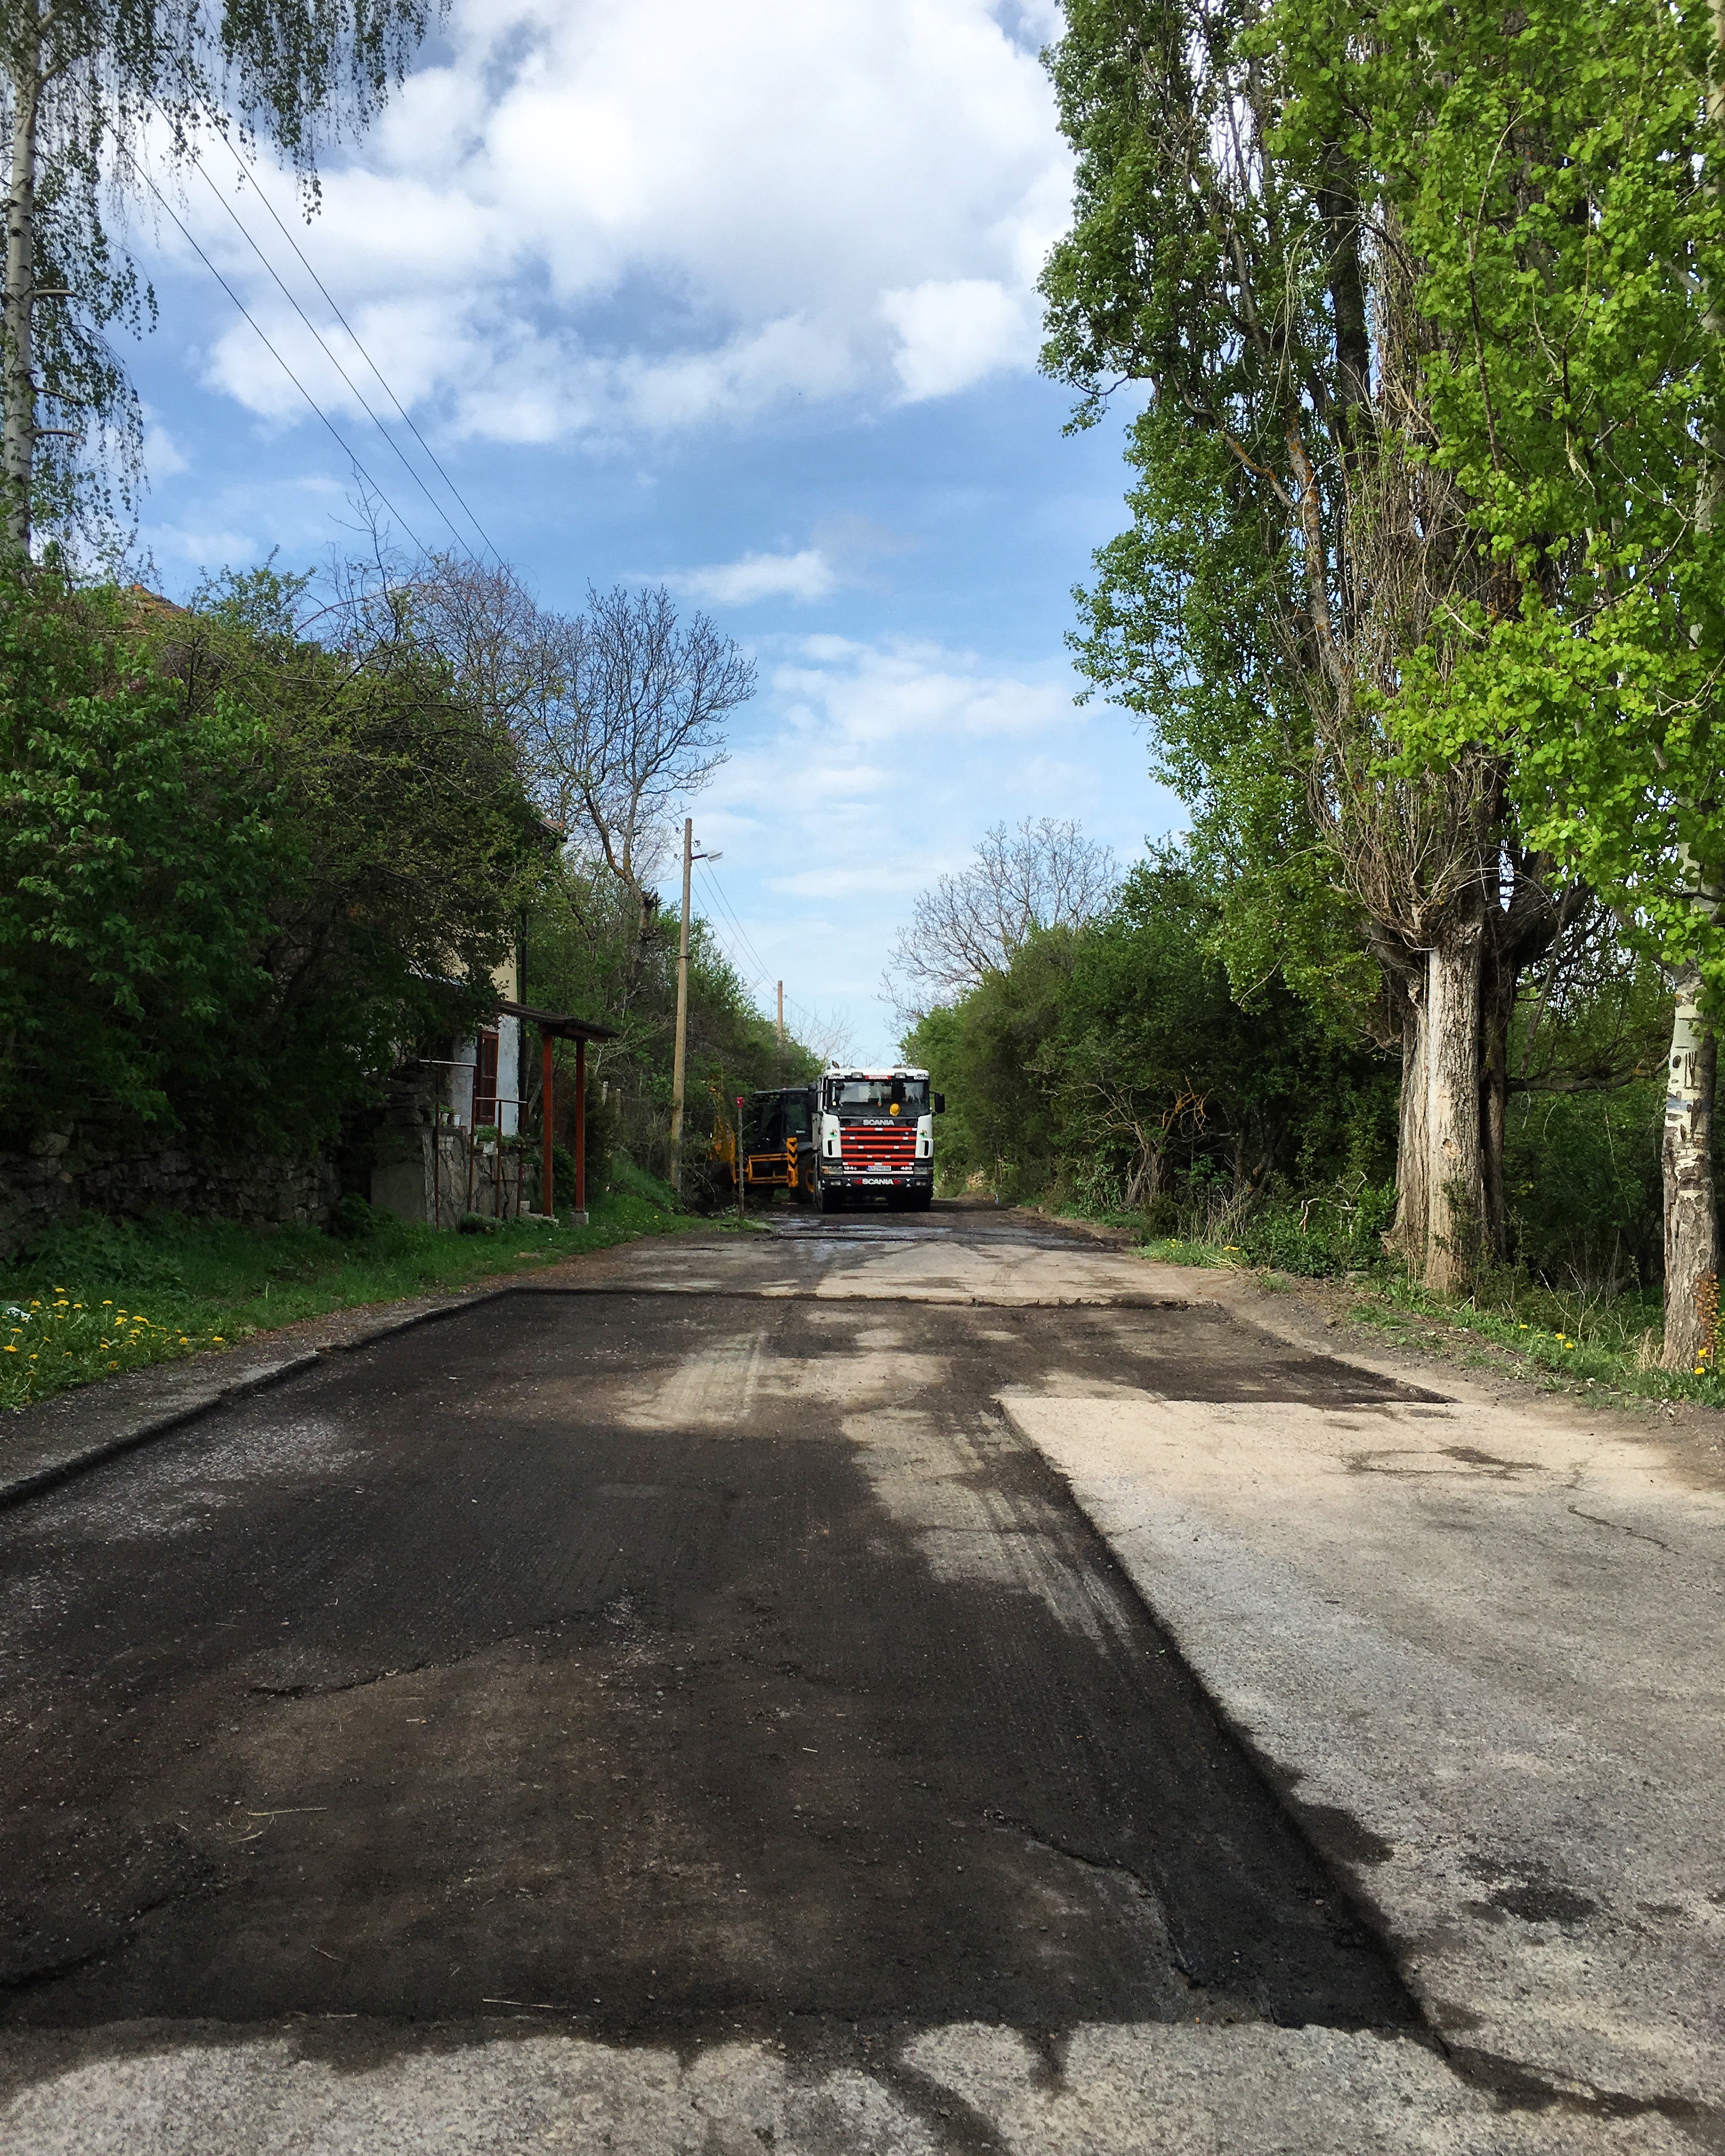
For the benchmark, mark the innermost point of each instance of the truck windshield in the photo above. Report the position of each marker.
(877, 1096)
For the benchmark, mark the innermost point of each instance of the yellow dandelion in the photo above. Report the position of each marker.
(184, 1342)
(217, 1339)
(10, 1349)
(108, 1304)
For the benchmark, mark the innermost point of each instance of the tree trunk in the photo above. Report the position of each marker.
(18, 385)
(1413, 1210)
(1455, 1170)
(1692, 1227)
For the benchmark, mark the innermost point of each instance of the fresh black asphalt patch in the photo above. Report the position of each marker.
(655, 1662)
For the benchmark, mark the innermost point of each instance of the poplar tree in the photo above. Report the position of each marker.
(1290, 548)
(93, 90)
(1555, 177)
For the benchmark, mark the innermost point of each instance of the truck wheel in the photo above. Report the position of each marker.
(831, 1201)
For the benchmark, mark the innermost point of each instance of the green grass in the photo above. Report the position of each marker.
(1577, 1340)
(98, 1295)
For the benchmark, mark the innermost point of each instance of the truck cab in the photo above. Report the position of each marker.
(874, 1138)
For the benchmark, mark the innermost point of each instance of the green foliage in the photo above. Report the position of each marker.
(1115, 1071)
(1182, 624)
(353, 1219)
(136, 846)
(592, 950)
(1582, 1180)
(1116, 1063)
(239, 871)
(1551, 172)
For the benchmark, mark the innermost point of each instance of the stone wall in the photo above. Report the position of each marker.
(58, 1176)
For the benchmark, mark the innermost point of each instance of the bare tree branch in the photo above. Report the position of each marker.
(1044, 874)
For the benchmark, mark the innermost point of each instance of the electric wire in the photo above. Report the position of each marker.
(438, 508)
(765, 972)
(717, 906)
(351, 454)
(751, 982)
(249, 173)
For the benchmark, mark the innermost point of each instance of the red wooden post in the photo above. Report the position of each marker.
(546, 1194)
(580, 1126)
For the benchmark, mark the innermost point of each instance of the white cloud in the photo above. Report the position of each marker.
(808, 575)
(953, 334)
(841, 553)
(899, 754)
(866, 770)
(163, 456)
(617, 215)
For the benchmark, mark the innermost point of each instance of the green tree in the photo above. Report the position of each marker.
(1287, 551)
(83, 81)
(1117, 1060)
(1554, 174)
(587, 951)
(244, 871)
(136, 854)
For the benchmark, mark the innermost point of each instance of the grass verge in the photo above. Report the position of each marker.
(1571, 1340)
(95, 1296)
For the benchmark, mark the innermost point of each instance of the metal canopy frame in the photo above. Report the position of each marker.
(562, 1025)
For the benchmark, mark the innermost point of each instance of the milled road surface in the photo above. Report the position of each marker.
(679, 1707)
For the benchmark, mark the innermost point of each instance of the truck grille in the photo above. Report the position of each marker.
(882, 1148)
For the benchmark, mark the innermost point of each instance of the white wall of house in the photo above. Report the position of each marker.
(508, 1064)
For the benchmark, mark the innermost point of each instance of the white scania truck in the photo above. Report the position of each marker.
(852, 1135)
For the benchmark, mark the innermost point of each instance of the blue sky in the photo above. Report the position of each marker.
(736, 298)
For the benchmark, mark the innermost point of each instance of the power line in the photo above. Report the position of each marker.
(811, 1018)
(765, 971)
(753, 978)
(718, 899)
(347, 452)
(436, 506)
(247, 172)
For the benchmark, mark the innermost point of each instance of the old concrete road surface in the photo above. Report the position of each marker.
(679, 1707)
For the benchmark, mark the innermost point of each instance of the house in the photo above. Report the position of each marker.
(466, 1134)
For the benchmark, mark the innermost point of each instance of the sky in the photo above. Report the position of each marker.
(739, 299)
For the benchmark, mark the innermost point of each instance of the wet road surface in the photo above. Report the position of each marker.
(691, 1654)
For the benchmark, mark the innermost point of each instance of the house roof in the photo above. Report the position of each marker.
(152, 605)
(559, 1024)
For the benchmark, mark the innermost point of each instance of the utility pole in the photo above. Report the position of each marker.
(679, 1059)
(781, 1016)
(680, 1055)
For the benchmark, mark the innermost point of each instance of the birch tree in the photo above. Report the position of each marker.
(95, 90)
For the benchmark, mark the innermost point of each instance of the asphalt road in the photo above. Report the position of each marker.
(691, 1661)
